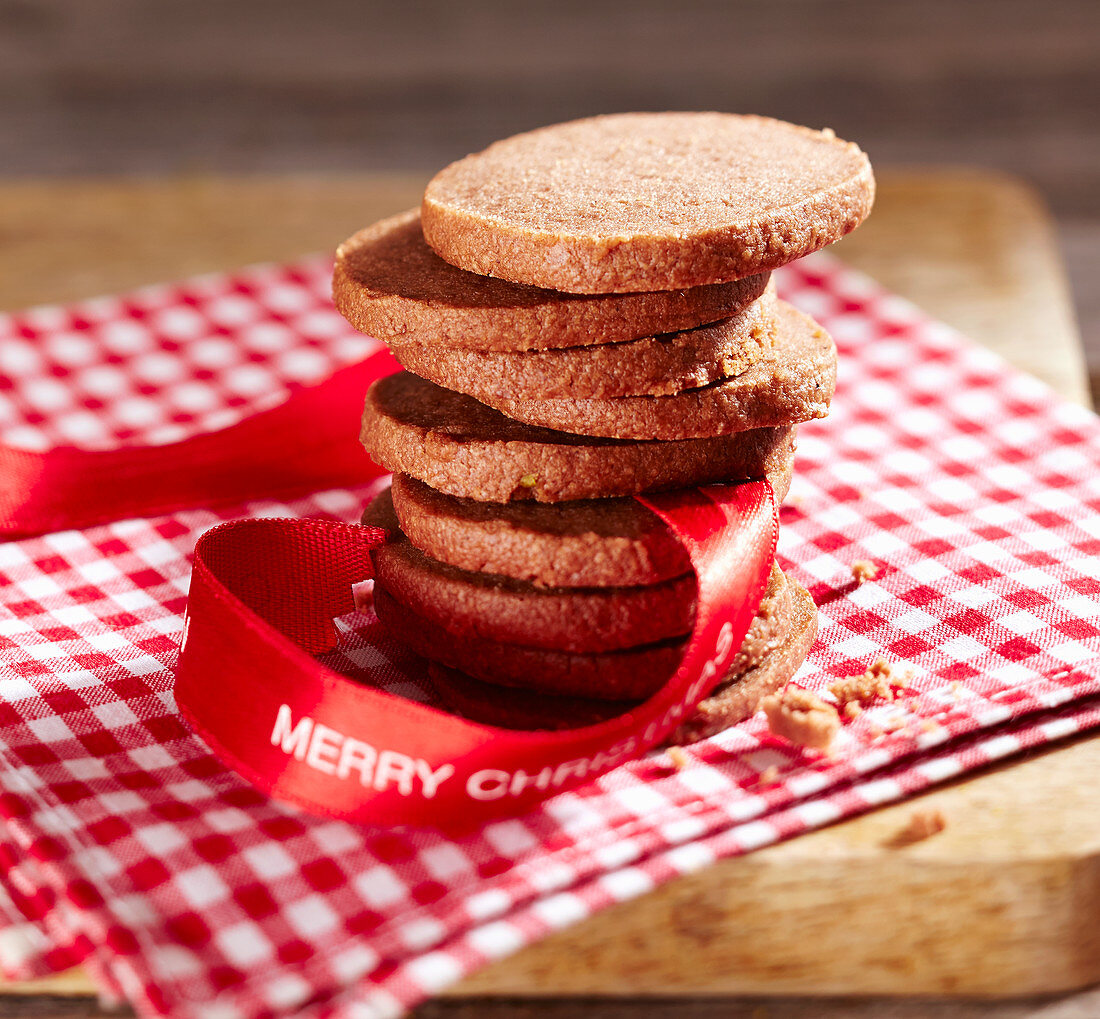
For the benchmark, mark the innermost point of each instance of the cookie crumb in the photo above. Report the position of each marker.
(880, 682)
(678, 758)
(923, 824)
(863, 569)
(897, 676)
(769, 775)
(801, 718)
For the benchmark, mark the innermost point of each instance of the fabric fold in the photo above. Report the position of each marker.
(973, 490)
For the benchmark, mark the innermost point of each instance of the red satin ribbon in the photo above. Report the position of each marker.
(263, 597)
(264, 594)
(305, 444)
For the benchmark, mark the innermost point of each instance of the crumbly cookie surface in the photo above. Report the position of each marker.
(647, 201)
(629, 674)
(792, 382)
(586, 543)
(547, 705)
(389, 283)
(740, 696)
(649, 366)
(457, 445)
(469, 603)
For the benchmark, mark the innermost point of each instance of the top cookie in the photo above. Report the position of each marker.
(647, 201)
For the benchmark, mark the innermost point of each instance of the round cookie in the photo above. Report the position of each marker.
(739, 697)
(647, 201)
(457, 445)
(629, 674)
(792, 382)
(389, 283)
(586, 543)
(491, 607)
(770, 625)
(651, 366)
(530, 709)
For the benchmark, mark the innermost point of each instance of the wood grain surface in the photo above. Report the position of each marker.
(1005, 901)
(120, 86)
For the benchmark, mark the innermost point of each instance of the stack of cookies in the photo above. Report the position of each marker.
(585, 314)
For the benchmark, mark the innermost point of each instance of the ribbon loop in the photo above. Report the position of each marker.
(262, 599)
(297, 575)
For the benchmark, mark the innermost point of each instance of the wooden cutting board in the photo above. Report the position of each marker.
(1005, 901)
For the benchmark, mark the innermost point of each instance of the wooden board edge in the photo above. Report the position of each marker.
(844, 910)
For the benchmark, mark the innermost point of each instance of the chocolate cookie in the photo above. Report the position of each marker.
(651, 366)
(487, 606)
(387, 282)
(792, 382)
(516, 708)
(587, 543)
(739, 697)
(630, 674)
(770, 625)
(462, 447)
(647, 201)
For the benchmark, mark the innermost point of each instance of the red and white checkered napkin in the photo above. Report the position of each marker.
(129, 847)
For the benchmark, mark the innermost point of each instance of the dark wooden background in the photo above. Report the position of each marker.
(132, 86)
(170, 86)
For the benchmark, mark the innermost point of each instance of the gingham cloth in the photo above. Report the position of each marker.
(128, 847)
